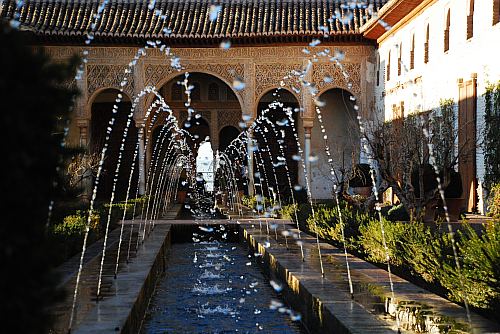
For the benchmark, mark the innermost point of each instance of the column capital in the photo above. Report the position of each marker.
(140, 124)
(308, 123)
(82, 122)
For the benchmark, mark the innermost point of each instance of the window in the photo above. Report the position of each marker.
(213, 92)
(388, 70)
(196, 92)
(470, 19)
(496, 11)
(426, 45)
(412, 52)
(378, 70)
(447, 32)
(399, 58)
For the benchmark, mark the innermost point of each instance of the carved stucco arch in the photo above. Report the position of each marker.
(261, 95)
(91, 99)
(353, 70)
(326, 89)
(170, 75)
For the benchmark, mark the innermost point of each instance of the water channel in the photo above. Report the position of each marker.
(216, 286)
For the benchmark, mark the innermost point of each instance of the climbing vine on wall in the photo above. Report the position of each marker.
(492, 135)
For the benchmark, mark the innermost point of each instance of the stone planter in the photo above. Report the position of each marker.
(455, 206)
(430, 212)
(181, 196)
(363, 191)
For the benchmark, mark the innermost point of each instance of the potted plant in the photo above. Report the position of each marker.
(453, 194)
(182, 190)
(361, 180)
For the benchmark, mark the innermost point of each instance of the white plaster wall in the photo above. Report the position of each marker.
(438, 78)
(342, 129)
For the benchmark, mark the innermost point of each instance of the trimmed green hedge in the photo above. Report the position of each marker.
(422, 251)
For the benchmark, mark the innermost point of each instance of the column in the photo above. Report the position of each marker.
(307, 151)
(250, 173)
(83, 136)
(142, 172)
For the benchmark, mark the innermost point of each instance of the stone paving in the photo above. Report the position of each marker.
(86, 301)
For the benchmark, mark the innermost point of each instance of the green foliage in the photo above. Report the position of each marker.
(444, 132)
(74, 225)
(398, 213)
(327, 222)
(371, 240)
(425, 253)
(480, 257)
(494, 201)
(302, 211)
(251, 201)
(491, 135)
(34, 112)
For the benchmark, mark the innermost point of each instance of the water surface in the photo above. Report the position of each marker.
(216, 287)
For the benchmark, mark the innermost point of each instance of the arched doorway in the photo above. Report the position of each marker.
(226, 135)
(276, 114)
(101, 113)
(205, 165)
(212, 101)
(199, 131)
(342, 128)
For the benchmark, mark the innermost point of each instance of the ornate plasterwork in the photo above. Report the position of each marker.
(155, 74)
(108, 76)
(349, 73)
(269, 76)
(228, 117)
(125, 54)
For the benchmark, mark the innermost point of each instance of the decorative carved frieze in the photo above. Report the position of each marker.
(125, 54)
(104, 76)
(154, 74)
(337, 76)
(228, 117)
(270, 75)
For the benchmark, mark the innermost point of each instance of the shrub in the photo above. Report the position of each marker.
(327, 222)
(494, 201)
(74, 225)
(398, 213)
(480, 255)
(371, 241)
(425, 253)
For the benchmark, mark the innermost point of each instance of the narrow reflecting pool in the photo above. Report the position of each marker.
(216, 287)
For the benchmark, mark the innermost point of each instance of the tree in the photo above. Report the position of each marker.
(400, 149)
(34, 104)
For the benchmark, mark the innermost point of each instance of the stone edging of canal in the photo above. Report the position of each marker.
(326, 305)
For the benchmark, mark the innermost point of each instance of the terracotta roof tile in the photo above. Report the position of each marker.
(189, 19)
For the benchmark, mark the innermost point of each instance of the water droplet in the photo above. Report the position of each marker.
(225, 44)
(315, 42)
(238, 84)
(214, 12)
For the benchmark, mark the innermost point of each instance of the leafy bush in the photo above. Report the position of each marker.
(371, 243)
(74, 225)
(494, 201)
(328, 222)
(425, 253)
(398, 213)
(480, 258)
(33, 115)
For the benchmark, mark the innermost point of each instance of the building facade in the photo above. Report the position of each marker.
(430, 51)
(398, 56)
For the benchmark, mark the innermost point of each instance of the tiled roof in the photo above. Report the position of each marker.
(190, 19)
